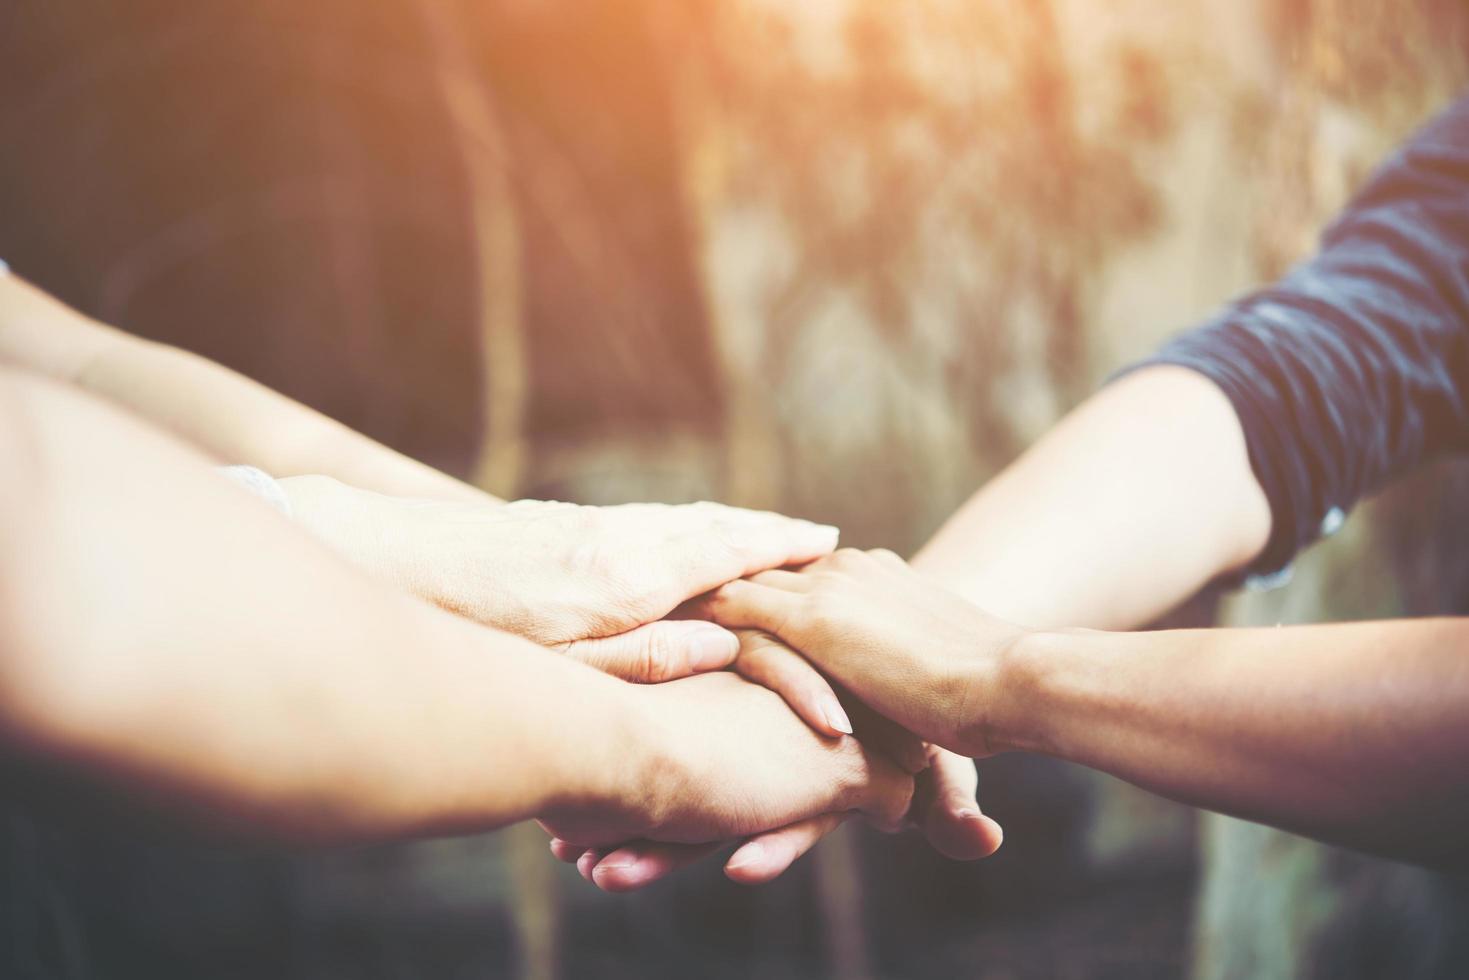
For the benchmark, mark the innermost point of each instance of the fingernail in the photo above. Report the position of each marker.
(617, 863)
(711, 648)
(749, 854)
(836, 717)
(967, 814)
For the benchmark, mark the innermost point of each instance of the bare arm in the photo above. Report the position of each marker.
(225, 414)
(1123, 510)
(1126, 508)
(1347, 372)
(1353, 733)
(167, 636)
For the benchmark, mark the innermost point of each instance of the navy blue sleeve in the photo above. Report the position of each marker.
(1354, 368)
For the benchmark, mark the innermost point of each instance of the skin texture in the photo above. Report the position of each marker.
(1124, 509)
(915, 653)
(234, 673)
(1351, 733)
(219, 411)
(593, 582)
(426, 532)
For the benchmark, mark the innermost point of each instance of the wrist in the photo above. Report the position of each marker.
(312, 496)
(605, 768)
(339, 515)
(1039, 673)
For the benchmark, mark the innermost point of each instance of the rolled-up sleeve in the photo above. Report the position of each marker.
(1354, 368)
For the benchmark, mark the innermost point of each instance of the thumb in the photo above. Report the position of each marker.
(661, 651)
(950, 814)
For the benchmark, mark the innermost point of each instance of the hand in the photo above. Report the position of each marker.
(717, 758)
(591, 581)
(918, 654)
(945, 806)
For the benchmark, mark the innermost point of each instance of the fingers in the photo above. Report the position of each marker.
(631, 866)
(770, 663)
(714, 544)
(780, 578)
(766, 857)
(658, 652)
(951, 818)
(762, 539)
(746, 604)
(565, 852)
(760, 859)
(642, 863)
(888, 737)
(587, 863)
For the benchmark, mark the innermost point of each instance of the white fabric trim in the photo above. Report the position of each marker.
(261, 484)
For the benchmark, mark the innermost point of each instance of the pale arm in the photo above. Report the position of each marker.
(1126, 508)
(165, 635)
(592, 581)
(225, 414)
(1123, 510)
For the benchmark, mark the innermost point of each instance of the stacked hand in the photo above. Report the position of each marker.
(593, 582)
(928, 660)
(596, 584)
(714, 757)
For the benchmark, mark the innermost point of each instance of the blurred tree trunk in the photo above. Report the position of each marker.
(839, 889)
(500, 468)
(487, 164)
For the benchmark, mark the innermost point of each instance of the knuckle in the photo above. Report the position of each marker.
(752, 669)
(883, 792)
(657, 662)
(756, 644)
(720, 599)
(729, 539)
(902, 801)
(586, 557)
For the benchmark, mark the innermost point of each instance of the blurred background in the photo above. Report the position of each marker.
(840, 258)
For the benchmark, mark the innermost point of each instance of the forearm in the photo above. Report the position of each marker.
(209, 406)
(1126, 508)
(1348, 371)
(162, 632)
(1353, 733)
